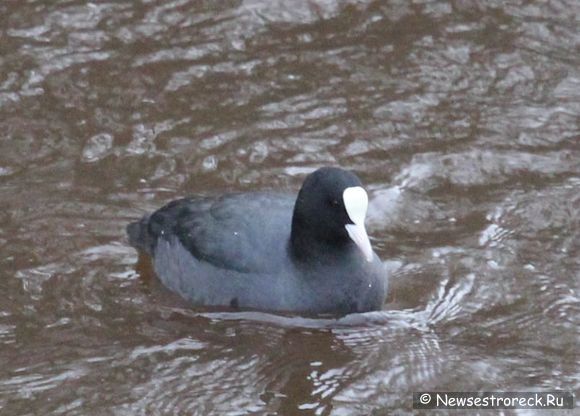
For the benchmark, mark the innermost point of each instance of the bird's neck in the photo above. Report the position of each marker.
(307, 248)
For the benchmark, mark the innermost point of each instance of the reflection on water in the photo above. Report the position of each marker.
(462, 118)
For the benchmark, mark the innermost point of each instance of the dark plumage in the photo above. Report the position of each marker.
(269, 251)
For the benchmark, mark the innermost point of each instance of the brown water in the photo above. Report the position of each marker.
(462, 117)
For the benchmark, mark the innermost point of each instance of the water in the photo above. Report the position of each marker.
(462, 118)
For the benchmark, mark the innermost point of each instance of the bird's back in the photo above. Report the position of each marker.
(245, 232)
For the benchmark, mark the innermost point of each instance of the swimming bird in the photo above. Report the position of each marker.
(269, 251)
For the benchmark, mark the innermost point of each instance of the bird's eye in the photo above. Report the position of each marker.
(334, 202)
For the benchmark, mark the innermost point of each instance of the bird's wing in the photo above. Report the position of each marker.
(243, 232)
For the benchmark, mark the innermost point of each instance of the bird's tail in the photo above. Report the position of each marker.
(139, 236)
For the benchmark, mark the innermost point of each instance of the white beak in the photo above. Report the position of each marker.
(358, 234)
(356, 203)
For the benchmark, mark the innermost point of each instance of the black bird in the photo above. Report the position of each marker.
(269, 251)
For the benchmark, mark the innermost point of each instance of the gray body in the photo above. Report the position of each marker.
(236, 250)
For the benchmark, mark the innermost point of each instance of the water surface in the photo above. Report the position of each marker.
(462, 118)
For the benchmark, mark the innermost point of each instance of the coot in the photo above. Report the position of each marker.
(269, 251)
